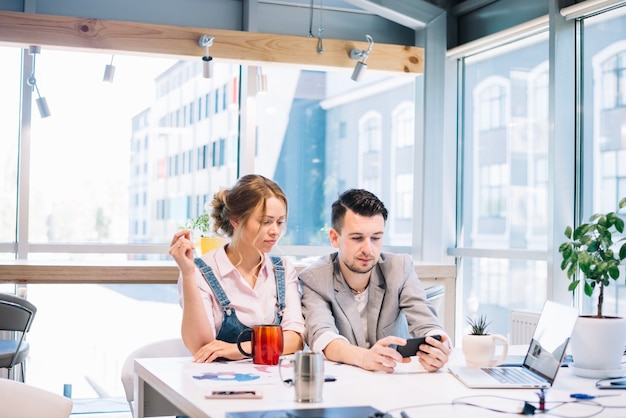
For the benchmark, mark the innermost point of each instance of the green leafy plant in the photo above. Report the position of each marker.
(478, 326)
(202, 224)
(590, 248)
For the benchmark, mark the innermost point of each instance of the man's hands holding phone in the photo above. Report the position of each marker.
(413, 345)
(385, 354)
(432, 351)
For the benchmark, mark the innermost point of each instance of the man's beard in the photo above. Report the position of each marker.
(357, 270)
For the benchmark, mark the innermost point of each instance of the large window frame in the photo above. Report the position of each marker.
(242, 145)
(564, 155)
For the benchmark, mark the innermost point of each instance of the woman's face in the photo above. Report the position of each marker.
(264, 230)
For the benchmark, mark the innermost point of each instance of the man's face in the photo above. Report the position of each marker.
(360, 241)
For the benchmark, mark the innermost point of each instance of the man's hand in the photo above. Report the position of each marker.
(434, 355)
(381, 357)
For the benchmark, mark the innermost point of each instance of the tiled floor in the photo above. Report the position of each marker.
(101, 408)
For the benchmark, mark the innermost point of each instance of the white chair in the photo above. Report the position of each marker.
(20, 400)
(163, 348)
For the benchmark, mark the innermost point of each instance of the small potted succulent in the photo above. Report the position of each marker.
(479, 346)
(478, 326)
(593, 248)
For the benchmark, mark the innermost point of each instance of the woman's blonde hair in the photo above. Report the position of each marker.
(239, 202)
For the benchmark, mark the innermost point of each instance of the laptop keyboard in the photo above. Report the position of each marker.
(511, 375)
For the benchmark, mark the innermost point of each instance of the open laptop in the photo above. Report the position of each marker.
(542, 361)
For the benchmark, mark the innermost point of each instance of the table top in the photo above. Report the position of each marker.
(409, 389)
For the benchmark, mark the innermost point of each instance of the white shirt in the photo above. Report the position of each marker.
(254, 306)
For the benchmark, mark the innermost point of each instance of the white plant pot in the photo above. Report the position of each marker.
(597, 346)
(480, 349)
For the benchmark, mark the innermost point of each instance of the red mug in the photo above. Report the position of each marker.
(266, 342)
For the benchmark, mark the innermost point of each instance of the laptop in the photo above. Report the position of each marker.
(543, 358)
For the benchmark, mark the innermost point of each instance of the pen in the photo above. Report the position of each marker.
(587, 396)
(404, 414)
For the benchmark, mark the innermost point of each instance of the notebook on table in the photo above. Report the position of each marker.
(543, 358)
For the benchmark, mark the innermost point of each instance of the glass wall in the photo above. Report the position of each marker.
(504, 181)
(503, 247)
(603, 60)
(83, 158)
(129, 162)
(320, 133)
(10, 81)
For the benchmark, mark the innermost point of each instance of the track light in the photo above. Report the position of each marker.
(42, 103)
(261, 81)
(109, 71)
(356, 54)
(206, 41)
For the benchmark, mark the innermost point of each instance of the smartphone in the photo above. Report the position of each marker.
(234, 394)
(413, 344)
(612, 383)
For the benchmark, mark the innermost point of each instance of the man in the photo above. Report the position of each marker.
(359, 303)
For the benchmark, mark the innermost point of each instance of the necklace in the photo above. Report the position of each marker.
(358, 292)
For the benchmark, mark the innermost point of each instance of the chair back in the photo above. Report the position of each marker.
(16, 315)
(163, 348)
(435, 295)
(20, 400)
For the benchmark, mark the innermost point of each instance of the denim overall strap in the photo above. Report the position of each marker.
(279, 273)
(216, 287)
(231, 325)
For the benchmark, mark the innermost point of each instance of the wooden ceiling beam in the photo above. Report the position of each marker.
(246, 48)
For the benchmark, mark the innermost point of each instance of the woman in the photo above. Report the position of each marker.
(252, 214)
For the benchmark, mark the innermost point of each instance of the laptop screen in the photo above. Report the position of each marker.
(550, 339)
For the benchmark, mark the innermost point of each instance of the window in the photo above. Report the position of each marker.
(493, 186)
(403, 129)
(330, 138)
(370, 137)
(370, 134)
(404, 197)
(604, 134)
(504, 181)
(135, 180)
(614, 81)
(491, 103)
(402, 153)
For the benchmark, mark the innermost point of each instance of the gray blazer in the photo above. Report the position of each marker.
(397, 303)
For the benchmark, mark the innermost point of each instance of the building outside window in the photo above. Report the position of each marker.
(502, 140)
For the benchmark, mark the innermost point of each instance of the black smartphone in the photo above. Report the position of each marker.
(413, 345)
(234, 394)
(612, 383)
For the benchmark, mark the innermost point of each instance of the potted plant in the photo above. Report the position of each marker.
(597, 342)
(479, 346)
(202, 225)
(478, 326)
(202, 232)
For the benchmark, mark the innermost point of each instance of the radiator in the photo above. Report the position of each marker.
(522, 327)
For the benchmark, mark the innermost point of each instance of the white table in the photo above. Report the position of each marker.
(166, 386)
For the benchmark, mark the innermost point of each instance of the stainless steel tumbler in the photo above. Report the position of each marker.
(308, 376)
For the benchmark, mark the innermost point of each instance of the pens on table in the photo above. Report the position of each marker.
(404, 414)
(587, 396)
